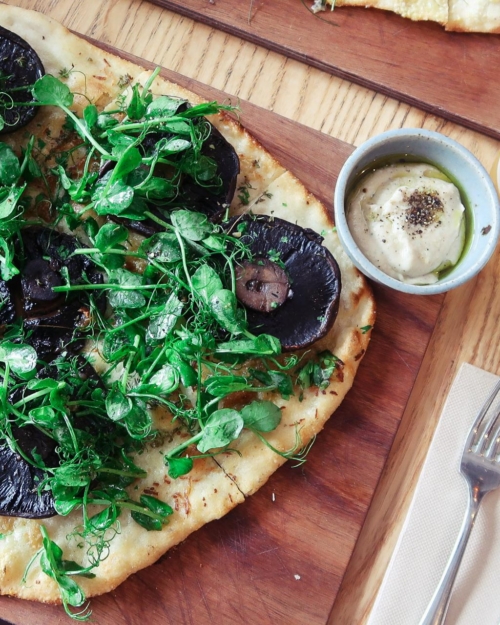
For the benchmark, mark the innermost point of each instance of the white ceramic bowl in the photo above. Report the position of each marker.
(453, 159)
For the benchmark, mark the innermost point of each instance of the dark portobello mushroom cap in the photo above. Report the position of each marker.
(18, 488)
(19, 480)
(54, 323)
(20, 67)
(295, 299)
(208, 200)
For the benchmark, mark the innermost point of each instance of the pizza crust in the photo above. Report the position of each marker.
(480, 16)
(431, 10)
(214, 486)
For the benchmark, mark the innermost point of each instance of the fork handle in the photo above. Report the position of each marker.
(438, 606)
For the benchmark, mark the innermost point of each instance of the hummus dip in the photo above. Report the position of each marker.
(409, 221)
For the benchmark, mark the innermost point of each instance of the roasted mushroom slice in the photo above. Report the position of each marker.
(19, 495)
(7, 306)
(209, 200)
(204, 198)
(54, 321)
(291, 287)
(20, 68)
(18, 488)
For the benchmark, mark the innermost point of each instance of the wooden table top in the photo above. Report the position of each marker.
(467, 329)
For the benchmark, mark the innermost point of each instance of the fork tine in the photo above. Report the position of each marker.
(481, 424)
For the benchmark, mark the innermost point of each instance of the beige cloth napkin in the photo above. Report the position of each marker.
(434, 521)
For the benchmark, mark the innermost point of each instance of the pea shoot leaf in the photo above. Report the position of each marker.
(51, 91)
(43, 415)
(128, 161)
(221, 428)
(90, 115)
(165, 147)
(9, 201)
(166, 380)
(160, 509)
(109, 236)
(222, 385)
(53, 565)
(128, 296)
(117, 345)
(10, 169)
(118, 405)
(162, 247)
(162, 324)
(21, 358)
(263, 416)
(164, 106)
(7, 267)
(206, 282)
(137, 105)
(263, 345)
(179, 466)
(113, 198)
(191, 225)
(224, 308)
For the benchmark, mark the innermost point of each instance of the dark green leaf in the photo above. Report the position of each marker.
(116, 346)
(118, 406)
(7, 267)
(9, 166)
(137, 106)
(178, 466)
(138, 422)
(109, 236)
(9, 203)
(263, 416)
(165, 147)
(162, 247)
(104, 519)
(162, 324)
(51, 91)
(206, 282)
(129, 297)
(224, 309)
(192, 226)
(163, 106)
(263, 345)
(166, 380)
(43, 415)
(129, 160)
(113, 199)
(155, 505)
(222, 427)
(222, 385)
(147, 522)
(21, 358)
(90, 115)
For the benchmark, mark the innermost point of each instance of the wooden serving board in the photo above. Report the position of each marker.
(280, 557)
(453, 75)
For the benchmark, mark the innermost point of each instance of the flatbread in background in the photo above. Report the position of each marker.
(417, 10)
(481, 16)
(216, 485)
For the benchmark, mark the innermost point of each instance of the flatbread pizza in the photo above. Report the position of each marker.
(178, 316)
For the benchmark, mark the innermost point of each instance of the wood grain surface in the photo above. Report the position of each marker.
(465, 324)
(450, 74)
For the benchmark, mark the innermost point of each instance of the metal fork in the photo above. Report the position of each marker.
(480, 467)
